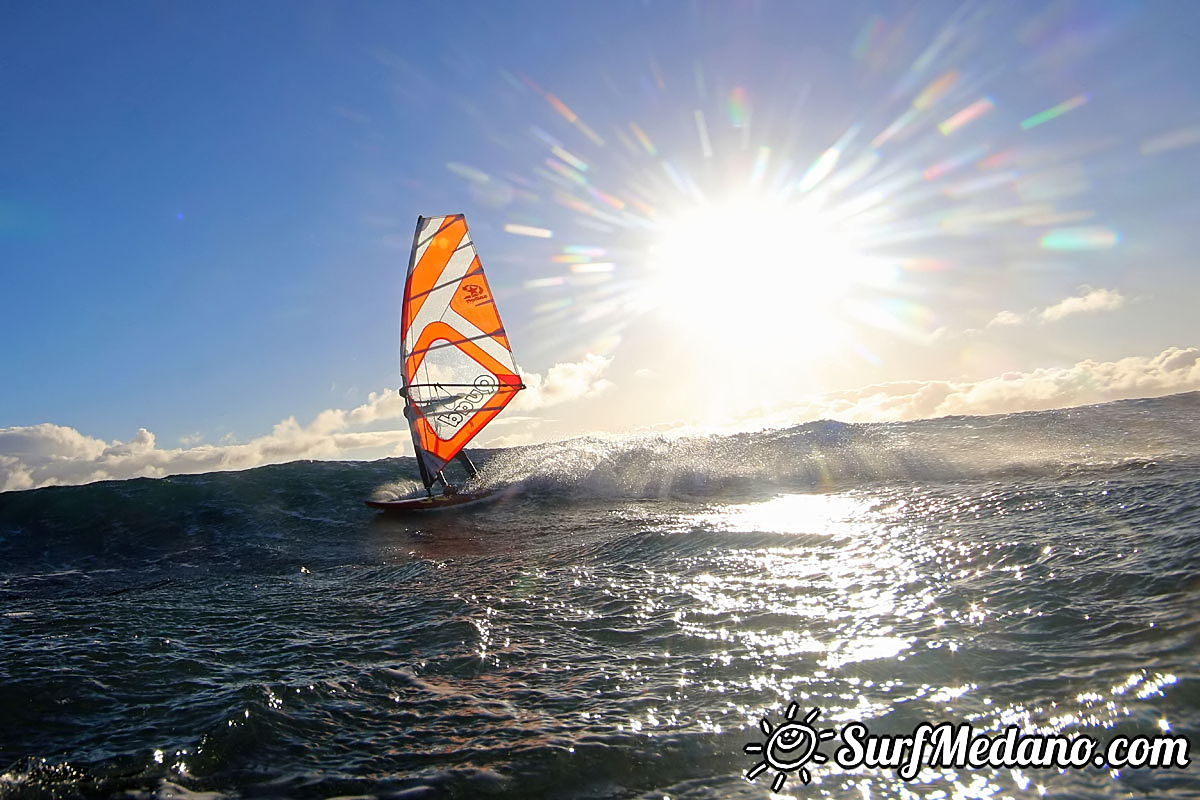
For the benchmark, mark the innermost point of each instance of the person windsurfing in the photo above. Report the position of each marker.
(472, 473)
(448, 489)
(456, 363)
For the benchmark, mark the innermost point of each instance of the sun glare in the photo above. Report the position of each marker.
(746, 264)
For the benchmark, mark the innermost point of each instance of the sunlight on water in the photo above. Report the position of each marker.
(793, 513)
(836, 598)
(573, 629)
(890, 609)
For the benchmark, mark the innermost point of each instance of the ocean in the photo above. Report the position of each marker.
(637, 617)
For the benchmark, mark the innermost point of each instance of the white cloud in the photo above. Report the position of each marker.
(1174, 359)
(1089, 301)
(1007, 318)
(48, 454)
(1171, 371)
(48, 442)
(14, 474)
(564, 383)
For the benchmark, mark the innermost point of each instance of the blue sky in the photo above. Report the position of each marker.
(205, 210)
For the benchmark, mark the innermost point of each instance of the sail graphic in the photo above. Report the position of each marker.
(457, 364)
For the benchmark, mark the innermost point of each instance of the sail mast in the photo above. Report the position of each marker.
(410, 409)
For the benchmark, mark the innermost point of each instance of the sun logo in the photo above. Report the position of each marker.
(473, 292)
(789, 747)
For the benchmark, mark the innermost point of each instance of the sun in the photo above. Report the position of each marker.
(754, 268)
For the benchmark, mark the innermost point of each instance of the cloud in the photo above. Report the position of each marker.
(49, 442)
(49, 454)
(1087, 382)
(1007, 318)
(1089, 301)
(564, 383)
(1092, 301)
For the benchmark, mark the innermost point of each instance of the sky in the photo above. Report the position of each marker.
(696, 216)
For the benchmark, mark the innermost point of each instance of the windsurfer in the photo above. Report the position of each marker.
(456, 363)
(410, 414)
(465, 460)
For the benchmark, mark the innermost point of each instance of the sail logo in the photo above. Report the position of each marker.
(475, 294)
(484, 387)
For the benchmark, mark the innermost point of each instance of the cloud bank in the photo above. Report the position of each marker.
(1172, 371)
(49, 454)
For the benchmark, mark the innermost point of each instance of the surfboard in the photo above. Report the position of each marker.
(432, 503)
(456, 362)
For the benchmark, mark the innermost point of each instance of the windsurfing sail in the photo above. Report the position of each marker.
(456, 361)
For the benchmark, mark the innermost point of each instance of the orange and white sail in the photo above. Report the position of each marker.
(457, 364)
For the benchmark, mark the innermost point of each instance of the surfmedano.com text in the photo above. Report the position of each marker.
(945, 746)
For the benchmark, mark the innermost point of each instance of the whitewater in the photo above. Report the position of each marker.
(632, 617)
